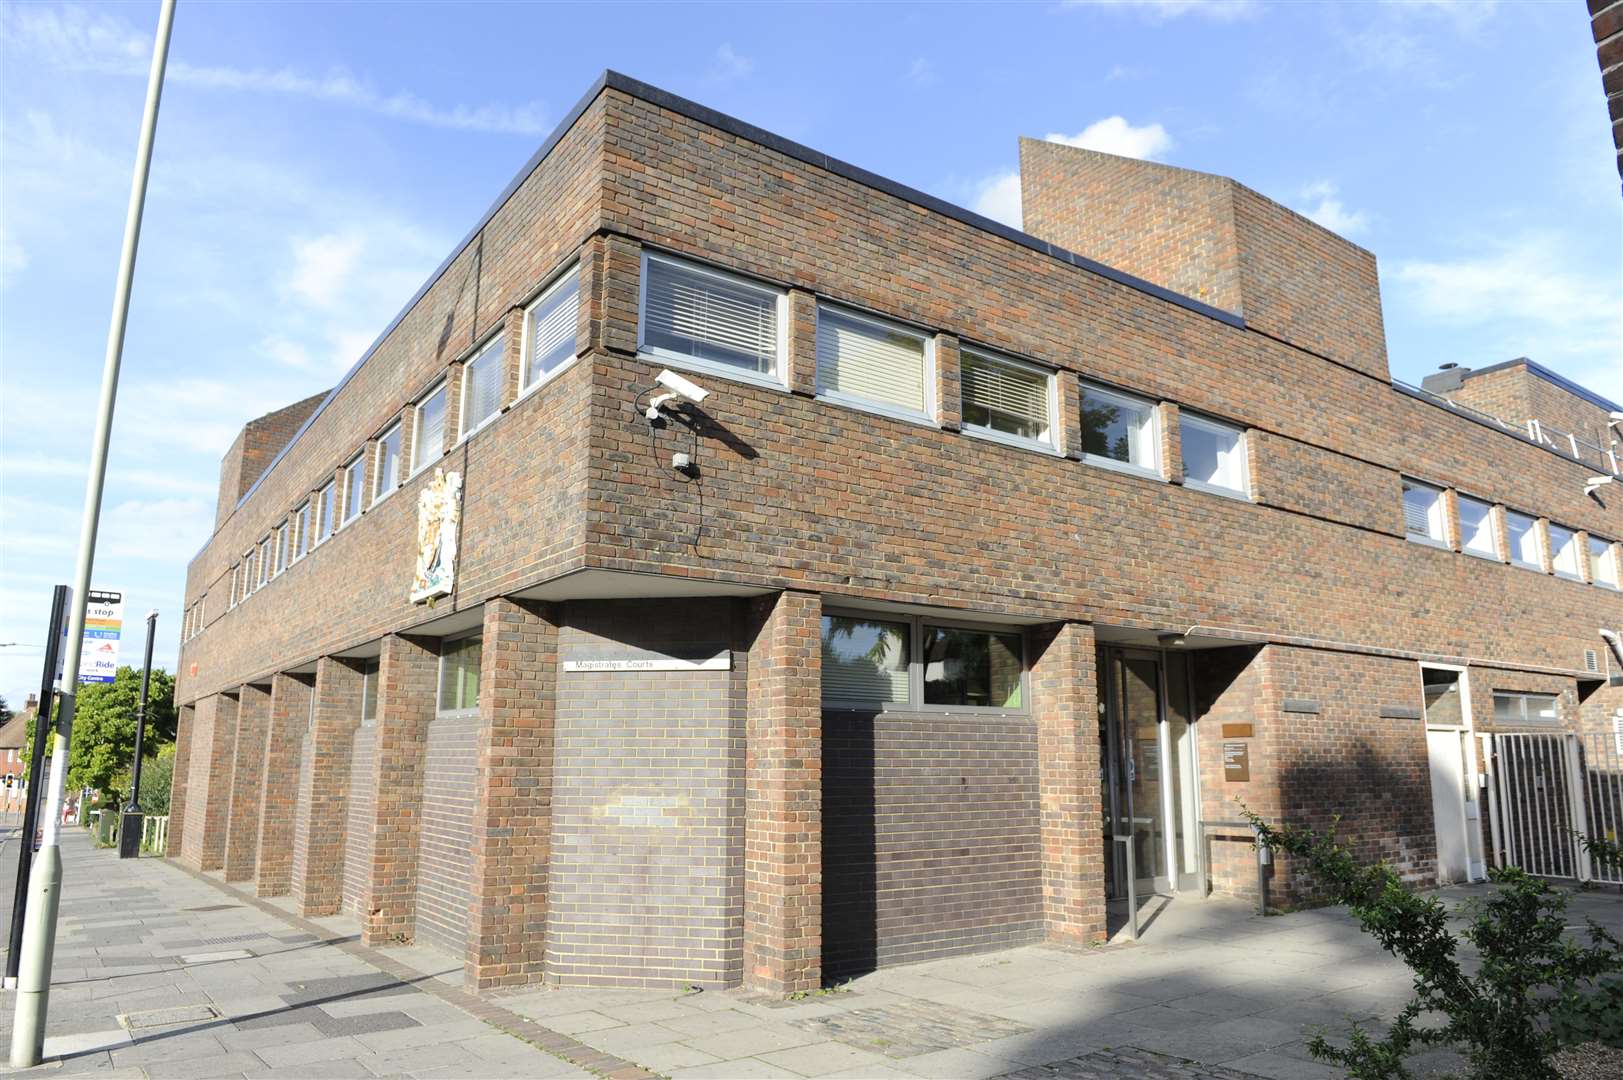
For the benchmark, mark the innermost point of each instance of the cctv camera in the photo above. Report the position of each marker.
(670, 380)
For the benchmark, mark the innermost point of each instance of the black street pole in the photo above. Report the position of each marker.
(36, 780)
(133, 824)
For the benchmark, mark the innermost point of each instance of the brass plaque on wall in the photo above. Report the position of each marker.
(1236, 731)
(1236, 762)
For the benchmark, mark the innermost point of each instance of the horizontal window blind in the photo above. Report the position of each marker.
(552, 329)
(1419, 505)
(429, 441)
(483, 389)
(864, 662)
(1004, 397)
(711, 318)
(863, 360)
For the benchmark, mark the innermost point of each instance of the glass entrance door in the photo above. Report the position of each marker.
(1151, 762)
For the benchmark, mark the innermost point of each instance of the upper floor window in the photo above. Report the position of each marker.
(1520, 709)
(1213, 455)
(266, 557)
(354, 487)
(248, 572)
(1478, 536)
(428, 436)
(876, 365)
(700, 316)
(1423, 512)
(325, 511)
(1602, 563)
(484, 383)
(1119, 429)
(301, 531)
(231, 594)
(549, 329)
(387, 476)
(459, 675)
(1008, 398)
(1564, 552)
(1526, 548)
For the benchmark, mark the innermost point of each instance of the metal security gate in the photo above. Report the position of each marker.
(1545, 789)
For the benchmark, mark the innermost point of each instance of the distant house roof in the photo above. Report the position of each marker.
(14, 734)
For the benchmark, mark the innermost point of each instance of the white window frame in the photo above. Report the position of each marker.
(378, 494)
(267, 559)
(929, 416)
(301, 531)
(251, 572)
(443, 386)
(571, 273)
(464, 432)
(1579, 558)
(325, 514)
(1151, 471)
(446, 644)
(1441, 508)
(1242, 447)
(1522, 697)
(1609, 555)
(777, 379)
(231, 594)
(916, 625)
(1050, 445)
(279, 549)
(349, 513)
(1493, 527)
(1538, 541)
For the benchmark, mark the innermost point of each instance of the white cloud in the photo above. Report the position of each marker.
(921, 72)
(1163, 10)
(322, 266)
(1324, 206)
(74, 38)
(13, 259)
(730, 65)
(1114, 135)
(73, 473)
(998, 197)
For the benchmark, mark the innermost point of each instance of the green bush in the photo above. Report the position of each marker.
(1532, 991)
(157, 775)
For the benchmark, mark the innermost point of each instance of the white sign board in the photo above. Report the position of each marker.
(1617, 731)
(104, 623)
(719, 662)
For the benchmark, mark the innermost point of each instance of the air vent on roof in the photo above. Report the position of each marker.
(1591, 661)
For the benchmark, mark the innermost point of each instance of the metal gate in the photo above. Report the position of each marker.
(1545, 788)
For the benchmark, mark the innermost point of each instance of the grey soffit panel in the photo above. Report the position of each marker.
(1400, 712)
(1301, 705)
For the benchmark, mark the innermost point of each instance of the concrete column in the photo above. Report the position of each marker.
(247, 783)
(208, 786)
(783, 811)
(512, 823)
(1064, 686)
(280, 780)
(184, 723)
(407, 681)
(320, 850)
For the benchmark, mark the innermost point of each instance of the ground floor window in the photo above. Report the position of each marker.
(1525, 710)
(459, 674)
(875, 661)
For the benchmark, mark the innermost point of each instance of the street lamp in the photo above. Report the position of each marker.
(130, 827)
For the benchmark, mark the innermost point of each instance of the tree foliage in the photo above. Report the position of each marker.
(104, 730)
(1507, 1010)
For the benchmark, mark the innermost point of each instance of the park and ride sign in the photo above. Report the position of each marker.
(104, 623)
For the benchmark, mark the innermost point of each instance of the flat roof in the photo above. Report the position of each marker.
(1550, 377)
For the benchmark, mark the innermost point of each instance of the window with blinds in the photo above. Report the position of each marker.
(550, 329)
(870, 363)
(1005, 397)
(865, 661)
(696, 315)
(428, 439)
(1423, 512)
(483, 383)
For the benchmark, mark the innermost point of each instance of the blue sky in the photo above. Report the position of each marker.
(314, 163)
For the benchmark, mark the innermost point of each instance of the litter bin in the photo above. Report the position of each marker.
(106, 828)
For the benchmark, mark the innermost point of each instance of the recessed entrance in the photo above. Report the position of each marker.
(1149, 748)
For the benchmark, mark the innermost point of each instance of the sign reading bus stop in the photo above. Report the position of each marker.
(104, 623)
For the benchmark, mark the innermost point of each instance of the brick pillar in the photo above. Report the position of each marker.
(1065, 697)
(512, 817)
(1171, 442)
(611, 282)
(1451, 519)
(247, 780)
(1070, 416)
(336, 715)
(208, 786)
(948, 392)
(184, 723)
(783, 813)
(289, 718)
(407, 677)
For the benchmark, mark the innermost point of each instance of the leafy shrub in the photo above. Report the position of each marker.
(1532, 988)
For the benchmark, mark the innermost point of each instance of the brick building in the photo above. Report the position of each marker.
(986, 544)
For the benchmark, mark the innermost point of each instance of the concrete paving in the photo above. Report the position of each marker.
(164, 973)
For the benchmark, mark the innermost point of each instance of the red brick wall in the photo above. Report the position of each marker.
(247, 783)
(283, 774)
(337, 714)
(208, 785)
(1065, 698)
(407, 682)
